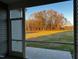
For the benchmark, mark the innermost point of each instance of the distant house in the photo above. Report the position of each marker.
(68, 26)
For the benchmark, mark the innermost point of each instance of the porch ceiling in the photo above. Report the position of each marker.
(14, 1)
(25, 3)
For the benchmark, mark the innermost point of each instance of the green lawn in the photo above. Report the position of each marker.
(60, 37)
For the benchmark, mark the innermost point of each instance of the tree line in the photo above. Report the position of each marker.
(45, 20)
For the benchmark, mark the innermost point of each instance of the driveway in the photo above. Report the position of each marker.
(39, 53)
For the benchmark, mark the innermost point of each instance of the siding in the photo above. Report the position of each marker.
(3, 32)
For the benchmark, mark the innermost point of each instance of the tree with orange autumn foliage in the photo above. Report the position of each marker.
(45, 20)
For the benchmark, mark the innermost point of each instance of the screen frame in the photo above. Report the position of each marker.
(75, 12)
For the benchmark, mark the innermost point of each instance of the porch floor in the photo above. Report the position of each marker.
(39, 53)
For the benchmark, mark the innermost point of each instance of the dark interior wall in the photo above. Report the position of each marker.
(3, 29)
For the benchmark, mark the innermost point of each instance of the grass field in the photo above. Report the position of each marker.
(65, 36)
(42, 33)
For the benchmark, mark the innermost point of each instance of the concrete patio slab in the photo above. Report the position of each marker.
(39, 53)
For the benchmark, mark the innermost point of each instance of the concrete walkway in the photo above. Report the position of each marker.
(39, 53)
